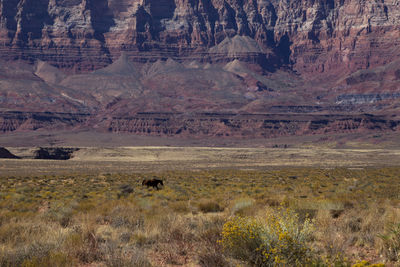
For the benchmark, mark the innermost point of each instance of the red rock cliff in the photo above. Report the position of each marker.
(311, 35)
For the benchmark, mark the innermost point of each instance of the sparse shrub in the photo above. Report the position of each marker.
(83, 246)
(178, 244)
(212, 258)
(174, 253)
(210, 206)
(62, 215)
(36, 252)
(125, 216)
(210, 231)
(85, 206)
(211, 253)
(54, 259)
(306, 213)
(391, 243)
(242, 206)
(140, 239)
(178, 239)
(332, 242)
(180, 206)
(125, 190)
(279, 239)
(125, 237)
(114, 256)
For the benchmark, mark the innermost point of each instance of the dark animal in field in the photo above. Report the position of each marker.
(152, 182)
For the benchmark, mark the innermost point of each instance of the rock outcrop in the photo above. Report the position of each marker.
(5, 154)
(54, 153)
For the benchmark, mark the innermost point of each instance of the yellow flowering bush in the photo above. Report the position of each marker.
(365, 263)
(279, 239)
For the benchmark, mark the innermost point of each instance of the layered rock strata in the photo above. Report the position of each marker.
(250, 125)
(24, 121)
(210, 124)
(313, 36)
(178, 67)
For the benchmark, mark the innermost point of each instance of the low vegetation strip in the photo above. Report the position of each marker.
(286, 216)
(95, 160)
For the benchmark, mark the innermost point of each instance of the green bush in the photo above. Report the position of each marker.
(280, 239)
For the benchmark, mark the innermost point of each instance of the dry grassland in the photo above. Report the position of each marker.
(218, 207)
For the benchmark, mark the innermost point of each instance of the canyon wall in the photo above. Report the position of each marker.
(313, 36)
(232, 68)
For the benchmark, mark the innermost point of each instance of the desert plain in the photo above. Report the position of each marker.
(304, 205)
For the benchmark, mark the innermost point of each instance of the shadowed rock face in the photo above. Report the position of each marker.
(5, 154)
(57, 153)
